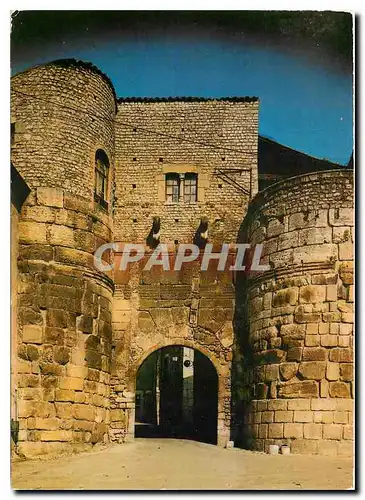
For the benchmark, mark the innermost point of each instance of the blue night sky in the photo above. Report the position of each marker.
(305, 95)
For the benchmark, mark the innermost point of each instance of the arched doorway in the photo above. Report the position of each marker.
(177, 395)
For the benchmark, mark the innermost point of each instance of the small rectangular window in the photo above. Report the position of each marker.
(172, 188)
(190, 188)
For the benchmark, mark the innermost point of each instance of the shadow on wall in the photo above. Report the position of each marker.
(242, 363)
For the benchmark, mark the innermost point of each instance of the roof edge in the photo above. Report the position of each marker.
(233, 99)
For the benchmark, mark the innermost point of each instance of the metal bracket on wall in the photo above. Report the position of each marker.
(223, 174)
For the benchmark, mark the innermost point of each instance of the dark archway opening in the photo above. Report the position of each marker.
(177, 395)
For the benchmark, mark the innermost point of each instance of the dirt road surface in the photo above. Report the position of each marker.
(175, 464)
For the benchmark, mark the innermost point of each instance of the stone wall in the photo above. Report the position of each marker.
(300, 327)
(64, 303)
(157, 308)
(281, 342)
(158, 136)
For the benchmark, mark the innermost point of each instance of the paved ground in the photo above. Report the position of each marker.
(179, 465)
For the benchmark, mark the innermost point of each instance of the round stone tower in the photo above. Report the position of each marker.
(300, 315)
(62, 116)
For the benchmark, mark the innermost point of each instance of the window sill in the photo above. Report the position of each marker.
(180, 203)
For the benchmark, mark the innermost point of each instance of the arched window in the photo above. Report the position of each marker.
(101, 178)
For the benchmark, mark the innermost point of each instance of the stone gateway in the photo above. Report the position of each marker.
(266, 358)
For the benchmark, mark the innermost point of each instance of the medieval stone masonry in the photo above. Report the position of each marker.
(176, 170)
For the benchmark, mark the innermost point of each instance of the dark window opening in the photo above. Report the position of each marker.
(172, 188)
(134, 159)
(190, 187)
(220, 186)
(101, 178)
(134, 186)
(12, 133)
(160, 160)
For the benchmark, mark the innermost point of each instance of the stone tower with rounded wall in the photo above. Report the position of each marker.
(62, 117)
(300, 315)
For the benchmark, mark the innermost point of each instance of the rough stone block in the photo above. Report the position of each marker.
(58, 435)
(32, 232)
(346, 329)
(331, 292)
(84, 412)
(304, 446)
(283, 416)
(332, 431)
(263, 431)
(294, 354)
(61, 235)
(312, 294)
(312, 370)
(299, 404)
(323, 328)
(271, 372)
(329, 340)
(301, 315)
(325, 417)
(51, 197)
(339, 390)
(315, 236)
(43, 423)
(277, 404)
(325, 252)
(53, 335)
(57, 318)
(75, 384)
(32, 334)
(276, 431)
(64, 395)
(341, 234)
(304, 389)
(347, 371)
(76, 371)
(64, 410)
(267, 416)
(274, 228)
(341, 216)
(348, 432)
(312, 340)
(293, 431)
(312, 431)
(341, 355)
(303, 416)
(288, 370)
(346, 272)
(340, 417)
(285, 297)
(314, 354)
(333, 371)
